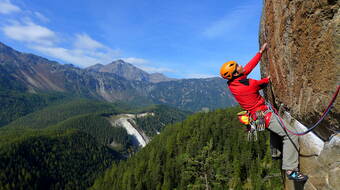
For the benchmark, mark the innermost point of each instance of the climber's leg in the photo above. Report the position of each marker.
(290, 157)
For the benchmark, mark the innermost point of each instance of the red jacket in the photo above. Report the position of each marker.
(246, 91)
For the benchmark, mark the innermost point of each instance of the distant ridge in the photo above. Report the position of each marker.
(129, 72)
(117, 81)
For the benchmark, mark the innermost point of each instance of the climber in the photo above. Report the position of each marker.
(246, 93)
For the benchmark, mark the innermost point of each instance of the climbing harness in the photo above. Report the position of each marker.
(316, 124)
(254, 122)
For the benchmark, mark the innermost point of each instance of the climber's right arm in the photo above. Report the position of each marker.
(253, 62)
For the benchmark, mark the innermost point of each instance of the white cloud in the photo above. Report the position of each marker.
(83, 57)
(200, 76)
(105, 55)
(67, 55)
(137, 61)
(145, 65)
(84, 50)
(6, 7)
(156, 69)
(30, 32)
(83, 41)
(80, 57)
(88, 47)
(41, 17)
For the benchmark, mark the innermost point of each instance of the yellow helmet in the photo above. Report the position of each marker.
(228, 69)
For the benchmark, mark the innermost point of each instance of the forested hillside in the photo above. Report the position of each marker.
(99, 128)
(70, 143)
(51, 159)
(54, 114)
(162, 116)
(89, 116)
(15, 104)
(206, 151)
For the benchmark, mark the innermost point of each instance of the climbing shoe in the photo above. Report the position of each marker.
(297, 176)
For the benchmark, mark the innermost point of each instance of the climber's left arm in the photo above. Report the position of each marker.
(262, 83)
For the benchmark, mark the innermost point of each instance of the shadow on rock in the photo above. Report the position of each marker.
(299, 185)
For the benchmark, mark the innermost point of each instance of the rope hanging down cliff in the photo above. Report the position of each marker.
(316, 124)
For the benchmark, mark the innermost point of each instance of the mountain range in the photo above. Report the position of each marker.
(128, 71)
(117, 81)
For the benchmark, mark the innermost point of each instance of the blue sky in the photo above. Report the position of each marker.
(180, 38)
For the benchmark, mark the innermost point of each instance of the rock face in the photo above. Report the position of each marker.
(303, 62)
(303, 58)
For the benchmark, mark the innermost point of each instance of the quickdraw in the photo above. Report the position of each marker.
(252, 133)
(258, 121)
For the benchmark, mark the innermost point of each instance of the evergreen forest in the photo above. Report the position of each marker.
(67, 142)
(206, 151)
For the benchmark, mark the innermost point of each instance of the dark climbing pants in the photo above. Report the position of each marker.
(290, 157)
